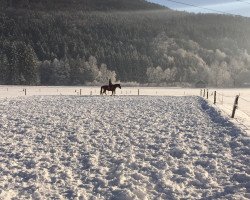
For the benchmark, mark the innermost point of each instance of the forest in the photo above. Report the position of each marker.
(60, 43)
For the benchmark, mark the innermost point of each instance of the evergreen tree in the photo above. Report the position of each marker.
(4, 65)
(29, 66)
(46, 73)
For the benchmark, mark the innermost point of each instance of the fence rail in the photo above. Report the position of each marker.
(224, 99)
(221, 97)
(15, 91)
(233, 105)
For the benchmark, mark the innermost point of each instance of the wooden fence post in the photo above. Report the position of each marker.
(214, 97)
(204, 93)
(80, 92)
(207, 94)
(138, 92)
(25, 92)
(235, 105)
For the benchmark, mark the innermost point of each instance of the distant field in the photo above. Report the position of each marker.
(225, 97)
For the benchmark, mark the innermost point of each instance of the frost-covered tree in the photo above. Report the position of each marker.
(30, 66)
(91, 70)
(46, 73)
(60, 71)
(63, 74)
(219, 55)
(155, 75)
(105, 74)
(77, 71)
(219, 74)
(236, 68)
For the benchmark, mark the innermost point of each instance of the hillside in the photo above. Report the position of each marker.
(85, 5)
(62, 47)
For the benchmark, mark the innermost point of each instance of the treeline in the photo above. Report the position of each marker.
(74, 72)
(79, 5)
(19, 66)
(132, 44)
(187, 63)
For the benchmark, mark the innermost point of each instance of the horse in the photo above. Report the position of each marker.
(112, 88)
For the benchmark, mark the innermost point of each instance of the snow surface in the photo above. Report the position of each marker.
(225, 97)
(225, 102)
(121, 147)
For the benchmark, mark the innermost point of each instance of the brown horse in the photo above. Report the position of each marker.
(112, 88)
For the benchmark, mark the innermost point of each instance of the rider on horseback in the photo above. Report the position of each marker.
(110, 83)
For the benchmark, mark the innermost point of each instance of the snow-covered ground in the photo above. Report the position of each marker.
(225, 102)
(225, 97)
(123, 147)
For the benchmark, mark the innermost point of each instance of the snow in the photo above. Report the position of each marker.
(225, 97)
(59, 145)
(225, 102)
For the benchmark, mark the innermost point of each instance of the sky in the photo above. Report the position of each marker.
(235, 7)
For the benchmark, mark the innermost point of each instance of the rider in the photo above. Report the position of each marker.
(110, 83)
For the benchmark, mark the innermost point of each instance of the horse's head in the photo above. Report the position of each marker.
(117, 86)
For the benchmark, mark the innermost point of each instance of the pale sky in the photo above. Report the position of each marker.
(229, 6)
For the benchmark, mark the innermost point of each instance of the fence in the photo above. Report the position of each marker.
(235, 103)
(225, 99)
(15, 91)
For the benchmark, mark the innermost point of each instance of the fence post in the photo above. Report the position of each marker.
(207, 94)
(235, 105)
(214, 97)
(25, 92)
(201, 93)
(138, 92)
(80, 92)
(204, 93)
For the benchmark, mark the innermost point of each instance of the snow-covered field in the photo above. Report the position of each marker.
(225, 97)
(67, 146)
